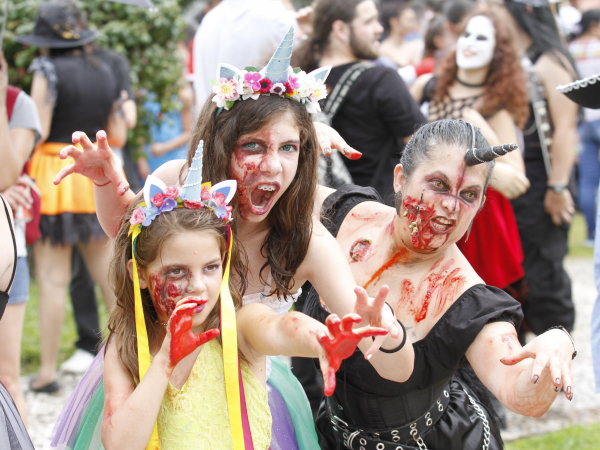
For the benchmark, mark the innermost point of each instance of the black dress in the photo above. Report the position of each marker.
(365, 401)
(13, 435)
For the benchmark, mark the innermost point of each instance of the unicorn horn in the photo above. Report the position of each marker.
(277, 69)
(193, 183)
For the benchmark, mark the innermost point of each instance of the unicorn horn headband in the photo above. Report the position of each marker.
(158, 199)
(277, 78)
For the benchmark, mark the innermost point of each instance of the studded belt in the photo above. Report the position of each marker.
(363, 439)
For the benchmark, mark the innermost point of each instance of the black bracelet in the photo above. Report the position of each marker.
(394, 350)
(560, 327)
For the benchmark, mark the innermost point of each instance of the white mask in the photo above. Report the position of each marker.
(475, 48)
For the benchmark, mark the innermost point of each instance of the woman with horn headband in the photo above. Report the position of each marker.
(257, 130)
(453, 319)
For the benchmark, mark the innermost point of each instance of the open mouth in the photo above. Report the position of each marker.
(262, 196)
(441, 224)
(199, 302)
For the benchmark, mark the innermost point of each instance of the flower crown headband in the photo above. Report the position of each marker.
(277, 78)
(158, 199)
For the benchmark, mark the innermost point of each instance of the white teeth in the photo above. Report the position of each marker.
(266, 187)
(443, 221)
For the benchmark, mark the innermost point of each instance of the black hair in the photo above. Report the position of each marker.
(449, 132)
(308, 53)
(539, 24)
(389, 10)
(457, 10)
(588, 18)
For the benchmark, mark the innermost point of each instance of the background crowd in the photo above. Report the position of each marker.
(141, 75)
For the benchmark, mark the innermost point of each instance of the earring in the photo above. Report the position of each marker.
(469, 231)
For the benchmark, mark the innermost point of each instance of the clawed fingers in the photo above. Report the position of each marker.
(348, 321)
(64, 172)
(329, 381)
(79, 137)
(70, 150)
(207, 336)
(567, 379)
(519, 356)
(333, 324)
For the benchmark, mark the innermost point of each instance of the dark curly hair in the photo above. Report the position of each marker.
(505, 85)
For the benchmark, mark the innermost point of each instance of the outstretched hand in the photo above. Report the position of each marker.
(376, 313)
(552, 352)
(98, 163)
(330, 139)
(181, 338)
(342, 345)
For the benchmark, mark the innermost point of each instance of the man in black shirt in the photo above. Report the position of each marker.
(377, 114)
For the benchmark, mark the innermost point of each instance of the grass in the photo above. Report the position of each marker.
(30, 353)
(577, 235)
(585, 437)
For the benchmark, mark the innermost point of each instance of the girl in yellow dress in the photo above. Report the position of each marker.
(182, 249)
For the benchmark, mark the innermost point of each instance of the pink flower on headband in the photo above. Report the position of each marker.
(171, 192)
(253, 80)
(137, 217)
(193, 204)
(158, 200)
(293, 80)
(277, 89)
(205, 194)
(219, 198)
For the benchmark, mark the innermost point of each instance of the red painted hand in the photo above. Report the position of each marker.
(342, 346)
(183, 340)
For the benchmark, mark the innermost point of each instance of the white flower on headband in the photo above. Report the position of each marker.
(225, 91)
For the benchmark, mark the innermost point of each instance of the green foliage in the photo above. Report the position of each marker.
(147, 38)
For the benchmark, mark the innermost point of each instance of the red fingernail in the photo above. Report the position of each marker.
(356, 155)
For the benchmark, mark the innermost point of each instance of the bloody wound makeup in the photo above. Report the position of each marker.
(168, 285)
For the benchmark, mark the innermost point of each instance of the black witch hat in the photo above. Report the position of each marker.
(585, 92)
(57, 27)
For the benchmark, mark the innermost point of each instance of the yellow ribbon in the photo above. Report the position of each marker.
(230, 356)
(142, 334)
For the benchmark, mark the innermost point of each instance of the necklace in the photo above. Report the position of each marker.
(163, 324)
(464, 83)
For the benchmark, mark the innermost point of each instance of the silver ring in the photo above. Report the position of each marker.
(363, 441)
(395, 432)
(429, 422)
(381, 446)
(396, 438)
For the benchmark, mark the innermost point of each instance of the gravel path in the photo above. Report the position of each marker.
(585, 407)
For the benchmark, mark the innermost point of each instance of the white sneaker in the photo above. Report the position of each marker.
(78, 363)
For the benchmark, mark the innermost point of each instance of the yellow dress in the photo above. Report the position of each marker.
(196, 417)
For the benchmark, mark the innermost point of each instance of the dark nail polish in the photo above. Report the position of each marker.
(346, 151)
(501, 359)
(570, 397)
(535, 379)
(568, 389)
(555, 389)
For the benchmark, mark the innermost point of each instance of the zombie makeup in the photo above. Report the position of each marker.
(168, 285)
(264, 165)
(361, 250)
(475, 48)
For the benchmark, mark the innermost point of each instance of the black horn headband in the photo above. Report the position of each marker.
(476, 156)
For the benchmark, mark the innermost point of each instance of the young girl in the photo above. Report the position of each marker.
(179, 278)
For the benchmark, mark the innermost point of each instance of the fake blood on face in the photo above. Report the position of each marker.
(166, 293)
(419, 216)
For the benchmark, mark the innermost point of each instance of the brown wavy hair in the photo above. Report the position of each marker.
(505, 85)
(121, 321)
(286, 244)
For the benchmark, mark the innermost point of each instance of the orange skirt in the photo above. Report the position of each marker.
(74, 194)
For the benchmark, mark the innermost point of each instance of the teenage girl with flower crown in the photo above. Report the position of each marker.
(268, 143)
